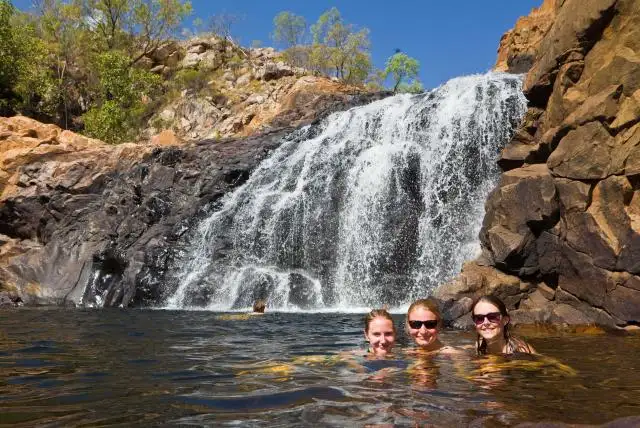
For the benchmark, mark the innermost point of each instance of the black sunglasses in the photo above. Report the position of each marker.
(492, 317)
(428, 324)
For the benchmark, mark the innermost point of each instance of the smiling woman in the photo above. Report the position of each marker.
(492, 320)
(380, 332)
(423, 324)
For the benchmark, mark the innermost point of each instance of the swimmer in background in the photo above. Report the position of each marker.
(258, 309)
(259, 306)
(492, 323)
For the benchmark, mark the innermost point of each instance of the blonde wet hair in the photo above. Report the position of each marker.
(430, 304)
(375, 313)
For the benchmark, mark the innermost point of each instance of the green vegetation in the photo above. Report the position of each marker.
(8, 55)
(123, 96)
(82, 63)
(341, 50)
(337, 49)
(76, 61)
(403, 68)
(189, 78)
(289, 29)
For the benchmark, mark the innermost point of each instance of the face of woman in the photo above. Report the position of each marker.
(424, 335)
(381, 336)
(488, 321)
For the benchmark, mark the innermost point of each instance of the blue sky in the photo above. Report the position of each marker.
(449, 38)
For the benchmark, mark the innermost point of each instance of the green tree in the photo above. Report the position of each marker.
(356, 60)
(136, 26)
(26, 82)
(62, 40)
(320, 30)
(123, 93)
(65, 46)
(338, 46)
(375, 81)
(9, 54)
(402, 67)
(289, 29)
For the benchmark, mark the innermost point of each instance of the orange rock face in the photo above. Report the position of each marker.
(34, 154)
(35, 159)
(566, 210)
(519, 46)
(298, 103)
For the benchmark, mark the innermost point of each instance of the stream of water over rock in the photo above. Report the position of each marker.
(375, 205)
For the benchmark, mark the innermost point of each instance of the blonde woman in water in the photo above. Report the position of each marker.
(380, 332)
(423, 324)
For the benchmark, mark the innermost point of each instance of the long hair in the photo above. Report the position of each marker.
(430, 305)
(513, 344)
(375, 313)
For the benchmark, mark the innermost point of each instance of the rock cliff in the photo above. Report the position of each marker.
(561, 234)
(519, 46)
(86, 223)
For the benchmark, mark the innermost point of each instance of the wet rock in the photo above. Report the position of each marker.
(8, 301)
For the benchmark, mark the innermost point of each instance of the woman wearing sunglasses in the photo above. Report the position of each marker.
(491, 319)
(423, 324)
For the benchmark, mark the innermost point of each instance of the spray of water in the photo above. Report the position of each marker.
(375, 205)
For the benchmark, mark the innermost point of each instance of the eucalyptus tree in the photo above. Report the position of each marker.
(402, 68)
(138, 27)
(339, 46)
(289, 29)
(8, 55)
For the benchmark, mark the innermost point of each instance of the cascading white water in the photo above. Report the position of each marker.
(375, 205)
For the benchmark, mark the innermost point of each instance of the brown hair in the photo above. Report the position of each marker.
(429, 304)
(259, 306)
(513, 344)
(375, 313)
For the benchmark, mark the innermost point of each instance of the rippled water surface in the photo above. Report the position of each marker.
(76, 367)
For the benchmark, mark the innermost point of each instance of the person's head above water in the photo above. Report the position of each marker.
(492, 322)
(259, 306)
(423, 323)
(379, 331)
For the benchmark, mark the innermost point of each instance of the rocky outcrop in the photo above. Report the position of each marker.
(563, 225)
(238, 91)
(252, 106)
(519, 46)
(85, 223)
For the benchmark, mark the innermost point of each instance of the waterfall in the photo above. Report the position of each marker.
(375, 205)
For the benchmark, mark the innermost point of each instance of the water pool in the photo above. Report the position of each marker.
(144, 367)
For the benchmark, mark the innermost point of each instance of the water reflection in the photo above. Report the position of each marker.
(155, 367)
